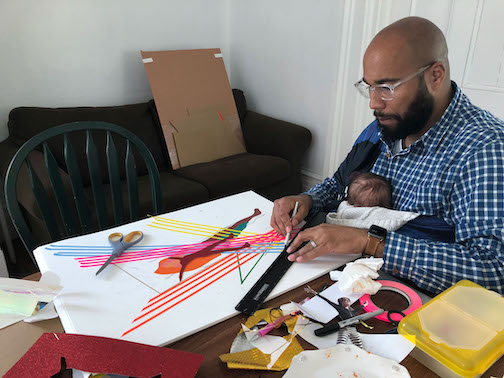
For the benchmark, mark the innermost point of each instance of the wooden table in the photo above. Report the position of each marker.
(215, 341)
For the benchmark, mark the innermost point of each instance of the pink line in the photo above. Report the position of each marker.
(196, 246)
(170, 251)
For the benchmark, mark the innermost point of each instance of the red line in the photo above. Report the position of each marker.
(185, 291)
(185, 283)
(192, 278)
(198, 275)
(221, 117)
(173, 305)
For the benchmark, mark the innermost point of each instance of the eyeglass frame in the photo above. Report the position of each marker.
(391, 87)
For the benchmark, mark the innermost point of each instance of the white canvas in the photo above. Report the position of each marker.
(116, 302)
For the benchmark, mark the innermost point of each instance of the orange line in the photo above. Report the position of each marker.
(190, 280)
(185, 282)
(173, 305)
(206, 279)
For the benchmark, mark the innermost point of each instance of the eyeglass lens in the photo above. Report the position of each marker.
(384, 93)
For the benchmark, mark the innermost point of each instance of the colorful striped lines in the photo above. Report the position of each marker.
(183, 290)
(270, 242)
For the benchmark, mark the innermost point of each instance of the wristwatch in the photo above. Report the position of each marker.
(376, 235)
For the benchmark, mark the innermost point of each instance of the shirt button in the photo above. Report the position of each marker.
(395, 271)
(388, 155)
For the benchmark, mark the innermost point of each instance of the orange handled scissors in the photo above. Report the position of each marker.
(119, 244)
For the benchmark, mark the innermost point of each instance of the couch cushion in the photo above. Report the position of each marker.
(179, 192)
(25, 122)
(237, 173)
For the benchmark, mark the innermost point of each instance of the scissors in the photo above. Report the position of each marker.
(119, 244)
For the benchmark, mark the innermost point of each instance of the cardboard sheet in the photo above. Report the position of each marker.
(185, 85)
(200, 131)
(103, 355)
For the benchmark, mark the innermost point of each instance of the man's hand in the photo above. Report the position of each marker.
(327, 238)
(282, 210)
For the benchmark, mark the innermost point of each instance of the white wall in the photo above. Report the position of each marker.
(284, 55)
(87, 52)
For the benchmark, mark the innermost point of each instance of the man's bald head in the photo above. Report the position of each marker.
(414, 40)
(413, 53)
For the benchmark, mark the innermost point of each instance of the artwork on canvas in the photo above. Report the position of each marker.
(189, 271)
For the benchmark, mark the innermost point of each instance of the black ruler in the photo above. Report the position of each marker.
(263, 287)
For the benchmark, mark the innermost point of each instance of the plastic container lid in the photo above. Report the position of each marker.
(462, 328)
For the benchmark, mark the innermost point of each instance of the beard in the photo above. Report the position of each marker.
(415, 118)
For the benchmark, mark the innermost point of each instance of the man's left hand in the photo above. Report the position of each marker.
(327, 239)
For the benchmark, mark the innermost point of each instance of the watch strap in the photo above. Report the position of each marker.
(372, 246)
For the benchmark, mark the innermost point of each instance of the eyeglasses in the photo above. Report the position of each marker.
(386, 91)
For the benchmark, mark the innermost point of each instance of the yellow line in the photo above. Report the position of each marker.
(211, 232)
(205, 232)
(212, 236)
(185, 232)
(166, 220)
(206, 228)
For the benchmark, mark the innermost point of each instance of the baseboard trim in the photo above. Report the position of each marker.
(309, 179)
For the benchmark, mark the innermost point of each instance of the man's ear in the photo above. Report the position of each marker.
(435, 76)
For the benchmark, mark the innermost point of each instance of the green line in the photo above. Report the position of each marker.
(239, 267)
(251, 268)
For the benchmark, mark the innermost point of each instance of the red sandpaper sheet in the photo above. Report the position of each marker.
(103, 355)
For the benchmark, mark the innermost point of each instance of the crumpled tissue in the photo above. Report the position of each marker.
(357, 277)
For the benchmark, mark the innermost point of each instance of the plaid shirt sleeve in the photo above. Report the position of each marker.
(324, 193)
(477, 202)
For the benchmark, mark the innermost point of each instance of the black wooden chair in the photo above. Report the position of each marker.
(76, 215)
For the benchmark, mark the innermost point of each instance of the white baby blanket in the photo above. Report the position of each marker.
(365, 217)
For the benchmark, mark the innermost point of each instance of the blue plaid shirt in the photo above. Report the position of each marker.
(455, 171)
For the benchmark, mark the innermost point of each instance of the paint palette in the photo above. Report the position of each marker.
(189, 271)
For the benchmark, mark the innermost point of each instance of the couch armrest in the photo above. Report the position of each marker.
(269, 136)
(7, 151)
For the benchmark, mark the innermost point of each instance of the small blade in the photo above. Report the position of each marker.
(112, 257)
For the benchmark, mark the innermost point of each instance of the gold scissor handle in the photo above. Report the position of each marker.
(133, 237)
(115, 237)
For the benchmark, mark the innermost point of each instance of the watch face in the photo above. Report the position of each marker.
(377, 232)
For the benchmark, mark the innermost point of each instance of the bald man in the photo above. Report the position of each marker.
(443, 156)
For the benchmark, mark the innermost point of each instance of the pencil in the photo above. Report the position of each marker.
(287, 237)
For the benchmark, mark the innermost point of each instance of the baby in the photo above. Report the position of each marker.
(368, 189)
(369, 201)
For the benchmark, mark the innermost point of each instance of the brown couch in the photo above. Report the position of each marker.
(271, 165)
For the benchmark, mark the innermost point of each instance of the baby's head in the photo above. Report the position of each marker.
(368, 189)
